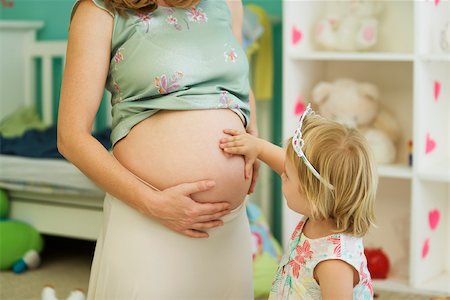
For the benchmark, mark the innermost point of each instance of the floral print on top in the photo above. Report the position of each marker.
(230, 54)
(295, 275)
(145, 20)
(194, 15)
(118, 57)
(166, 85)
(226, 102)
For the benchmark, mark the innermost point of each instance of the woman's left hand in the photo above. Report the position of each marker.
(253, 131)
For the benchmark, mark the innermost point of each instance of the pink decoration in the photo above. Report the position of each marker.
(299, 106)
(430, 144)
(437, 90)
(369, 33)
(425, 247)
(433, 218)
(436, 2)
(296, 35)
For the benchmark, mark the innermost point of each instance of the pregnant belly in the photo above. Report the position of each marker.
(174, 147)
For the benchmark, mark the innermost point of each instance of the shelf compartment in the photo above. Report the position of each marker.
(430, 230)
(393, 79)
(392, 213)
(394, 30)
(432, 115)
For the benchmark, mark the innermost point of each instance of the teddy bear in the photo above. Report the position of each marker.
(357, 105)
(349, 25)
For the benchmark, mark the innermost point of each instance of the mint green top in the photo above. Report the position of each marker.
(175, 59)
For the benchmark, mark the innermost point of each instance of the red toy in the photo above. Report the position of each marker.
(377, 263)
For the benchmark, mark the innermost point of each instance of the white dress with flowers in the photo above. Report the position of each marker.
(295, 278)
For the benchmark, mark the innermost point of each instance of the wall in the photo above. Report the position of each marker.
(56, 14)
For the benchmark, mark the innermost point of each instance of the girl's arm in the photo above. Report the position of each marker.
(336, 279)
(84, 79)
(253, 148)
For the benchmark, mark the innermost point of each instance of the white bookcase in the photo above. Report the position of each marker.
(413, 75)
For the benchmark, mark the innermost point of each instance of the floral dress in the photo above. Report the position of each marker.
(295, 274)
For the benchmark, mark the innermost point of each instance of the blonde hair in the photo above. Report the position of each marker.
(343, 158)
(145, 6)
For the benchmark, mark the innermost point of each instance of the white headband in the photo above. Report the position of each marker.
(298, 143)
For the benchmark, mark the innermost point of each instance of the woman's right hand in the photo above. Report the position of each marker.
(176, 210)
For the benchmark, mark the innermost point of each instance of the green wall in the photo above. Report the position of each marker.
(56, 14)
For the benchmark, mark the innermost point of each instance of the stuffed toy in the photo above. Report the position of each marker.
(377, 263)
(20, 244)
(357, 105)
(349, 25)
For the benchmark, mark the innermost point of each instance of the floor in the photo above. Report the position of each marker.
(65, 265)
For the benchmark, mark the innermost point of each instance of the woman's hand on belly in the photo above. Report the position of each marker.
(177, 211)
(174, 151)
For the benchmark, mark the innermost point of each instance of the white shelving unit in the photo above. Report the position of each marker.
(413, 75)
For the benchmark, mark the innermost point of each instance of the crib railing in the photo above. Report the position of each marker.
(48, 52)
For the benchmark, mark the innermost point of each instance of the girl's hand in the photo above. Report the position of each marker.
(241, 143)
(177, 211)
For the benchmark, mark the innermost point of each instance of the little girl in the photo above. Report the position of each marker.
(329, 177)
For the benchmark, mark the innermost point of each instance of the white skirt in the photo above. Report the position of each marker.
(138, 258)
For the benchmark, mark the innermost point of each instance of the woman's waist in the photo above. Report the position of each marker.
(174, 147)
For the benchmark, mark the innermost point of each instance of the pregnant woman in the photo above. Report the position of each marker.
(174, 222)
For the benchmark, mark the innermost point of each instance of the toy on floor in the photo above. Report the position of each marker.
(357, 104)
(20, 243)
(48, 293)
(266, 252)
(377, 263)
(349, 25)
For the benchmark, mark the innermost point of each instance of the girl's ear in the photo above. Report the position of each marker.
(321, 92)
